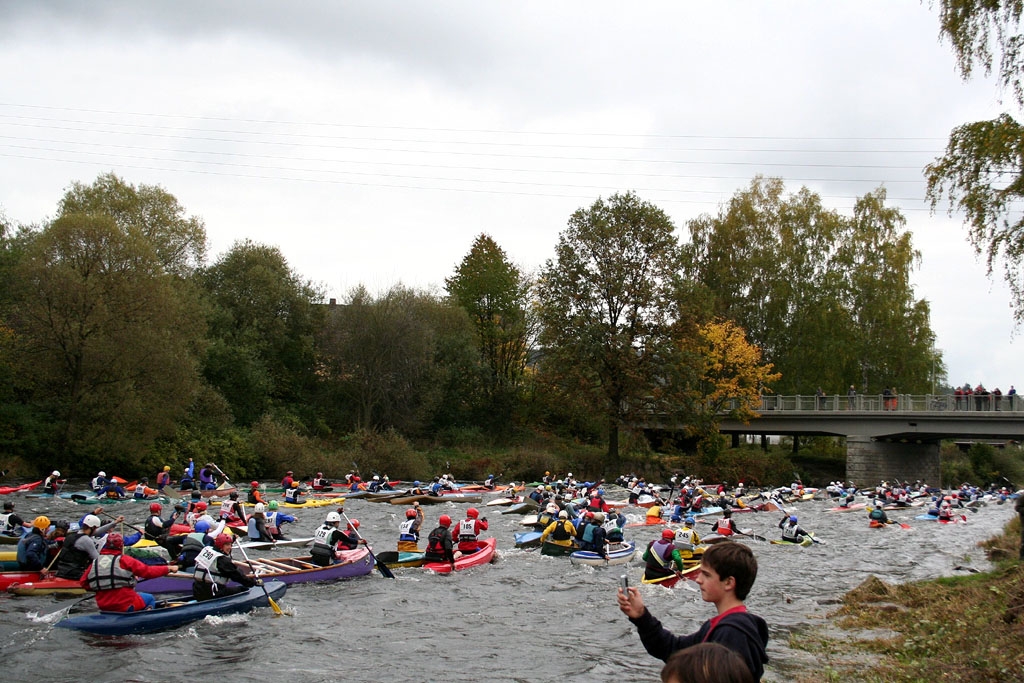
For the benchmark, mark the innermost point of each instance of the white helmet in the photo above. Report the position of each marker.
(102, 474)
(333, 517)
(551, 509)
(260, 507)
(56, 473)
(569, 475)
(91, 521)
(376, 478)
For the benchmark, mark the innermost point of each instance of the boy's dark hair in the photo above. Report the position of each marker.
(706, 663)
(733, 559)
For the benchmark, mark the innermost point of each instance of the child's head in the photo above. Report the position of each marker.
(733, 559)
(706, 663)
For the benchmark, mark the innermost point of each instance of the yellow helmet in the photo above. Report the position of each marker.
(42, 522)
(167, 468)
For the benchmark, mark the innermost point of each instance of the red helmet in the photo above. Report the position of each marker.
(445, 520)
(588, 515)
(155, 508)
(201, 505)
(668, 534)
(410, 513)
(222, 540)
(353, 524)
(254, 484)
(114, 542)
(472, 513)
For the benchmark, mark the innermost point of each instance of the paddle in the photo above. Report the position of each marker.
(383, 568)
(273, 604)
(756, 537)
(221, 473)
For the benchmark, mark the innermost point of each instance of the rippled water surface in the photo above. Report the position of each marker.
(525, 618)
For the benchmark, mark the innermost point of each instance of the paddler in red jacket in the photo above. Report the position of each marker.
(113, 577)
(469, 531)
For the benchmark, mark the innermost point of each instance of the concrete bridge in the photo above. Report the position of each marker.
(887, 437)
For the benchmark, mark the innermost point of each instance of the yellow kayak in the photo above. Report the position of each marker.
(315, 503)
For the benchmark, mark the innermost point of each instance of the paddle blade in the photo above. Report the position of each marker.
(384, 570)
(274, 606)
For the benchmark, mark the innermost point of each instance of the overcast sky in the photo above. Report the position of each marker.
(372, 142)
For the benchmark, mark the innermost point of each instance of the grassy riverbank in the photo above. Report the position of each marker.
(962, 628)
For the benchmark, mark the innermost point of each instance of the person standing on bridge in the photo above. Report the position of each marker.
(851, 397)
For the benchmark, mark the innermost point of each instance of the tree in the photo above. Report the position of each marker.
(731, 377)
(262, 329)
(494, 294)
(106, 337)
(379, 356)
(982, 169)
(827, 298)
(606, 307)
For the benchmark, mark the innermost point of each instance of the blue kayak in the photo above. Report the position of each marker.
(173, 613)
(932, 518)
(528, 538)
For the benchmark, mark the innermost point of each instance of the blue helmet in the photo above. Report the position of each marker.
(600, 492)
(202, 526)
(792, 518)
(691, 520)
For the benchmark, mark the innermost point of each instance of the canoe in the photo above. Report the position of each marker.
(173, 613)
(555, 550)
(270, 545)
(46, 587)
(504, 501)
(482, 556)
(9, 540)
(618, 553)
(12, 577)
(95, 500)
(526, 539)
(8, 555)
(528, 505)
(284, 569)
(396, 560)
(22, 487)
(385, 496)
(671, 580)
(427, 499)
(222, 490)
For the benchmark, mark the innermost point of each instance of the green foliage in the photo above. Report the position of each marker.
(606, 307)
(982, 457)
(982, 170)
(827, 298)
(383, 453)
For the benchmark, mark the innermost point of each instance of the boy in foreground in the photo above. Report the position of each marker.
(727, 572)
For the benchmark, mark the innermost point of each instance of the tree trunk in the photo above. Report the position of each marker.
(613, 441)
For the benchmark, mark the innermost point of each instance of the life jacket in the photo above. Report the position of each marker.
(206, 567)
(406, 532)
(5, 524)
(322, 537)
(563, 530)
(467, 530)
(612, 531)
(272, 525)
(545, 519)
(789, 532)
(435, 541)
(291, 495)
(660, 555)
(724, 527)
(588, 533)
(72, 562)
(193, 545)
(227, 508)
(155, 527)
(252, 497)
(140, 491)
(106, 573)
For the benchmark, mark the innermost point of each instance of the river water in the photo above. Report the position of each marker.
(525, 618)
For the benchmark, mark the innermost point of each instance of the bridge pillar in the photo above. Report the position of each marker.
(869, 462)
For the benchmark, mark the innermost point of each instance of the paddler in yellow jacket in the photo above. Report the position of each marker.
(560, 532)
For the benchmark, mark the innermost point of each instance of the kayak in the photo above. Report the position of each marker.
(95, 500)
(427, 499)
(222, 490)
(528, 505)
(849, 508)
(618, 553)
(805, 542)
(173, 613)
(671, 580)
(482, 556)
(396, 560)
(526, 539)
(284, 569)
(270, 545)
(46, 587)
(711, 510)
(504, 501)
(22, 487)
(315, 503)
(12, 577)
(648, 521)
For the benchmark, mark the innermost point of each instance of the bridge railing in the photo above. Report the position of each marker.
(869, 403)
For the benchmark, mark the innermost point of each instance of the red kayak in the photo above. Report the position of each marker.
(8, 578)
(23, 487)
(671, 580)
(649, 521)
(482, 556)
